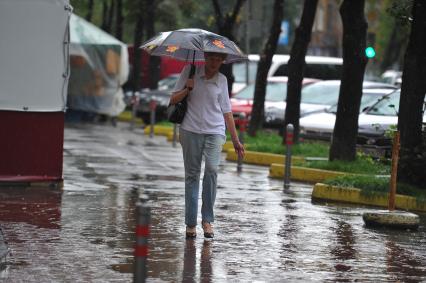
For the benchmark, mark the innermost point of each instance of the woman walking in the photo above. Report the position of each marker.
(202, 134)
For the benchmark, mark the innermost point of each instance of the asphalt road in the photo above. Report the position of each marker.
(262, 233)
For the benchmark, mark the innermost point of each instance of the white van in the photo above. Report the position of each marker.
(317, 67)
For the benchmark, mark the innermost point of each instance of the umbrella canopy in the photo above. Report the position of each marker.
(190, 44)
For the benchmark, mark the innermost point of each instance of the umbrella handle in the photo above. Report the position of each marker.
(191, 74)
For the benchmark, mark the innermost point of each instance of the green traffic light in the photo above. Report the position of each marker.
(370, 52)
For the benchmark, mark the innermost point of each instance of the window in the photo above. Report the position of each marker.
(316, 71)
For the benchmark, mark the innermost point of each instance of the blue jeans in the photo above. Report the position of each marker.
(195, 147)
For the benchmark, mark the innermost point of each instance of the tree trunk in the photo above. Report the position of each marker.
(119, 20)
(154, 61)
(343, 145)
(137, 41)
(412, 165)
(110, 16)
(257, 114)
(390, 55)
(225, 25)
(89, 11)
(296, 66)
(104, 25)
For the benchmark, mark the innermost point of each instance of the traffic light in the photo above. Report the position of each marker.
(370, 52)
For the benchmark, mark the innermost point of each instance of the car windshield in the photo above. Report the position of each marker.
(239, 71)
(318, 93)
(367, 99)
(275, 91)
(387, 106)
(167, 83)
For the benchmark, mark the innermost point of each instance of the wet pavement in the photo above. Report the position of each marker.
(262, 234)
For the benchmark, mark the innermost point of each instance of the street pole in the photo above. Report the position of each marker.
(394, 169)
(289, 143)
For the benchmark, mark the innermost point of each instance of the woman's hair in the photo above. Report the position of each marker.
(218, 54)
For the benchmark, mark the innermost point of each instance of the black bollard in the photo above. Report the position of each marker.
(143, 219)
(135, 105)
(152, 107)
(174, 134)
(243, 122)
(289, 143)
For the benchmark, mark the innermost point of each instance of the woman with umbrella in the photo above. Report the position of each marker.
(202, 131)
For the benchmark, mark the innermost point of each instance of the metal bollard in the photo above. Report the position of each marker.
(243, 122)
(174, 135)
(289, 143)
(135, 104)
(143, 219)
(152, 107)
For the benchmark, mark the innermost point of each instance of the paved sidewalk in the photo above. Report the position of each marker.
(262, 233)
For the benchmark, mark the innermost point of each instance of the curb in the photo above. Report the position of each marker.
(158, 130)
(170, 137)
(227, 146)
(260, 158)
(126, 116)
(354, 195)
(304, 174)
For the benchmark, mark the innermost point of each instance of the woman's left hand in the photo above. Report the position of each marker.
(239, 149)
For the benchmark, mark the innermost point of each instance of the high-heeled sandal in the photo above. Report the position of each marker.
(208, 229)
(191, 232)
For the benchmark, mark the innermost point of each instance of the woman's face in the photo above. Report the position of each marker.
(213, 62)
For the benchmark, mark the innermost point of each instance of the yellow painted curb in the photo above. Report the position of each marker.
(158, 130)
(170, 136)
(227, 146)
(126, 116)
(354, 195)
(260, 158)
(297, 173)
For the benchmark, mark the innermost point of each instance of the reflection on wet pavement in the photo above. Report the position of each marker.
(262, 233)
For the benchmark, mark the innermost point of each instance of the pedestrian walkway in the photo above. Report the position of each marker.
(262, 233)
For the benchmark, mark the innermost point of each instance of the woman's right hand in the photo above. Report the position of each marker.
(190, 84)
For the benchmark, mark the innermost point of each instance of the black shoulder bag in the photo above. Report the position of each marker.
(176, 112)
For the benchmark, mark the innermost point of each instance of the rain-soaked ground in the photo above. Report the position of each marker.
(262, 233)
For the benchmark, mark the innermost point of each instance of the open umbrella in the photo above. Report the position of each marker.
(190, 44)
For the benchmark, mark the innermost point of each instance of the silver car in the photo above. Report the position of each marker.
(373, 122)
(317, 97)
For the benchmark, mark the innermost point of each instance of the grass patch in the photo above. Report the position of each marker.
(165, 123)
(370, 185)
(271, 142)
(362, 165)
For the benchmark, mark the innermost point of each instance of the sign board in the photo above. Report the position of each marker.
(285, 31)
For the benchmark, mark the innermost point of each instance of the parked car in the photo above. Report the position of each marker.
(377, 119)
(320, 125)
(317, 97)
(276, 91)
(161, 96)
(317, 67)
(392, 77)
(373, 123)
